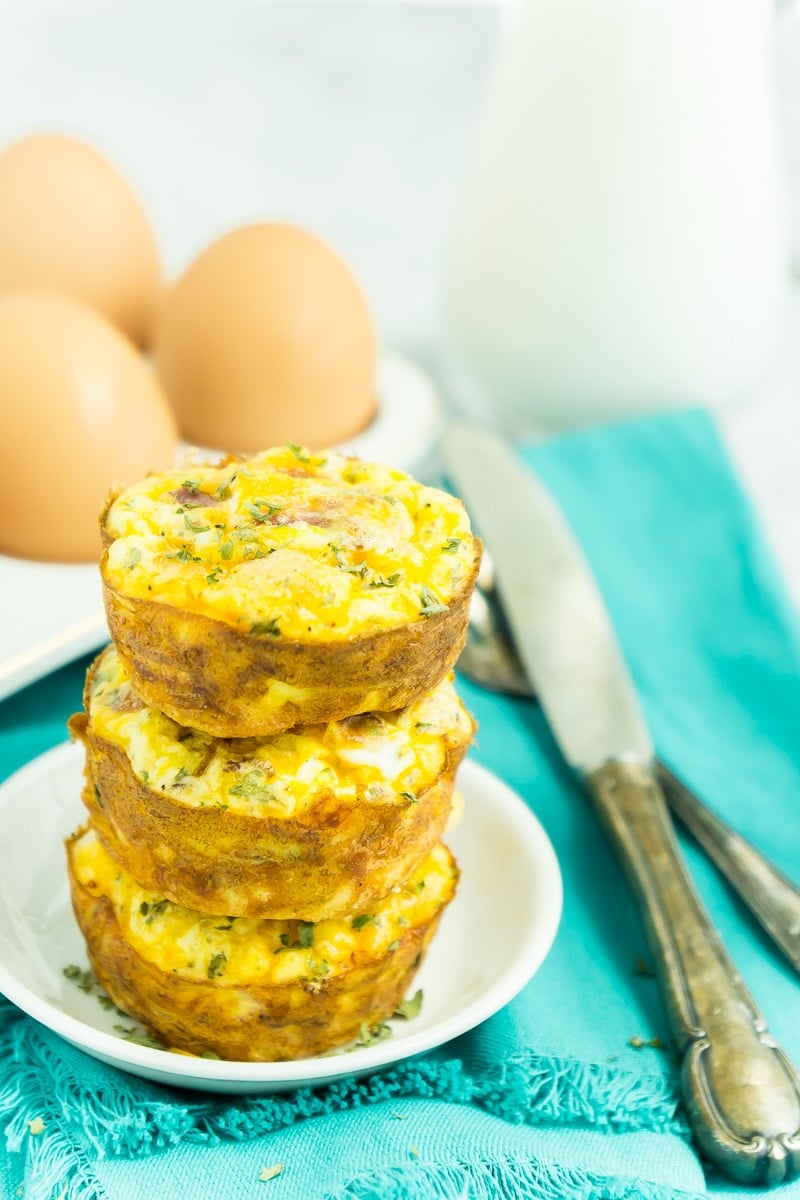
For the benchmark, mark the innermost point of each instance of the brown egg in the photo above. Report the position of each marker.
(267, 339)
(69, 223)
(80, 410)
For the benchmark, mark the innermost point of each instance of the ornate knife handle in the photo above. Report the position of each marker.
(741, 1092)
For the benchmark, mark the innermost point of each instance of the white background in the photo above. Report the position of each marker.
(351, 119)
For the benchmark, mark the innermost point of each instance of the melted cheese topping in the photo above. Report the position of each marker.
(240, 950)
(289, 544)
(375, 757)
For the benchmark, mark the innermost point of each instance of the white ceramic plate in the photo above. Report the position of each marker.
(53, 612)
(478, 961)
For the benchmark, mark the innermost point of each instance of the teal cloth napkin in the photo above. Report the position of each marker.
(549, 1098)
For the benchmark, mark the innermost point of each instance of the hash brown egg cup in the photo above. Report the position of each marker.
(291, 588)
(248, 990)
(311, 823)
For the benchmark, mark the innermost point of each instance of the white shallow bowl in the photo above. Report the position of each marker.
(508, 867)
(53, 612)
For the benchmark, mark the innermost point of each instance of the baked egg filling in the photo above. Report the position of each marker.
(291, 544)
(373, 758)
(241, 950)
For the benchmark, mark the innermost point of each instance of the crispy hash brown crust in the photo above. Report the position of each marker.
(256, 1022)
(323, 864)
(332, 847)
(228, 682)
(285, 589)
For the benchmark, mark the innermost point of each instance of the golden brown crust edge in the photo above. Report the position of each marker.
(209, 675)
(334, 860)
(253, 1023)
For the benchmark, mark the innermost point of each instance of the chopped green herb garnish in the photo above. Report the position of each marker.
(183, 555)
(192, 484)
(194, 528)
(368, 1035)
(271, 627)
(143, 1039)
(262, 510)
(389, 581)
(253, 787)
(216, 965)
(408, 1009)
(155, 911)
(424, 727)
(144, 776)
(180, 775)
(144, 908)
(393, 946)
(409, 796)
(243, 533)
(360, 922)
(130, 1034)
(226, 550)
(303, 941)
(87, 983)
(451, 545)
(430, 605)
(133, 556)
(213, 576)
(343, 565)
(639, 1043)
(224, 489)
(84, 979)
(300, 453)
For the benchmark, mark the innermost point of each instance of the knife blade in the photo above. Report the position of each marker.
(741, 1092)
(572, 658)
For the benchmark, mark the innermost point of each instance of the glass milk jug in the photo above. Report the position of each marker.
(620, 243)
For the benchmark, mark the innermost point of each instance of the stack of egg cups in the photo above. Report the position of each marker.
(271, 747)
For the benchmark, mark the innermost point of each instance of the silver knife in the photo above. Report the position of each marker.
(740, 1090)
